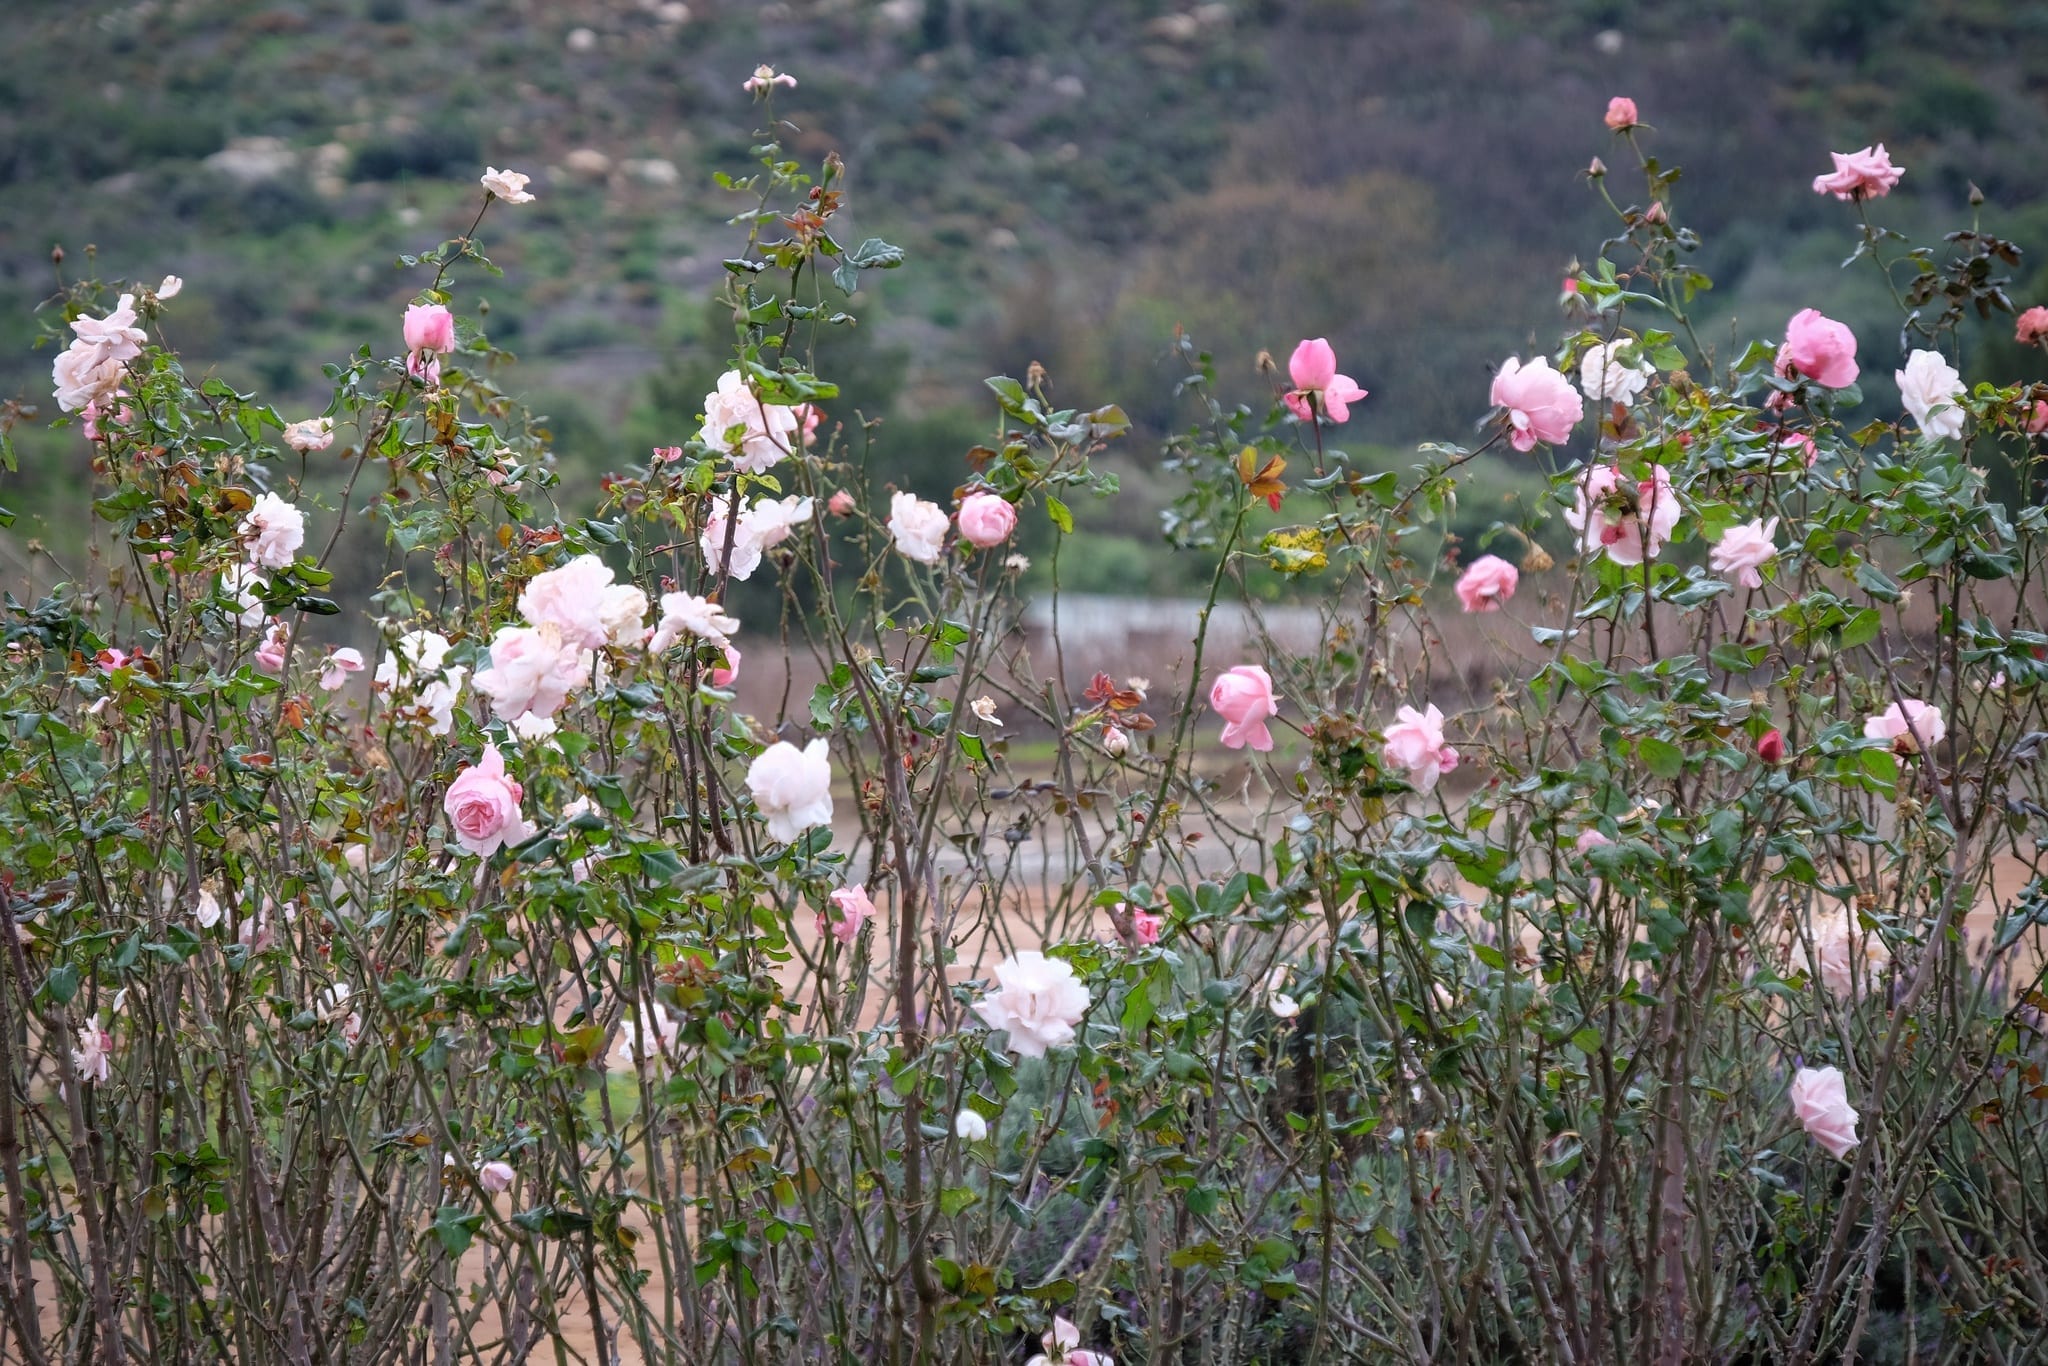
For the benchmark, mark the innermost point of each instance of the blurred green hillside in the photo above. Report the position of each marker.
(1072, 179)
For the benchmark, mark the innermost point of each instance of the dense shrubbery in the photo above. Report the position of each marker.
(1638, 963)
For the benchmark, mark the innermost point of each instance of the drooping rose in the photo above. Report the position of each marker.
(722, 677)
(313, 434)
(92, 367)
(686, 614)
(1930, 387)
(1820, 1100)
(1243, 697)
(917, 527)
(760, 433)
(496, 1177)
(273, 530)
(1868, 174)
(94, 1055)
(1621, 113)
(170, 288)
(1911, 726)
(1037, 999)
(1415, 745)
(986, 519)
(1486, 583)
(853, 909)
(1318, 388)
(483, 806)
(507, 185)
(1818, 348)
(1541, 404)
(1745, 549)
(533, 669)
(792, 787)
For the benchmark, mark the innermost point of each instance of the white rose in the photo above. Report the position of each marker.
(1929, 383)
(623, 611)
(792, 787)
(1606, 378)
(241, 582)
(1037, 999)
(314, 434)
(507, 185)
(274, 530)
(686, 614)
(969, 1125)
(919, 528)
(571, 598)
(768, 427)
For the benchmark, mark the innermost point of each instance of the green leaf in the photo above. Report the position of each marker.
(1862, 628)
(456, 1228)
(1061, 517)
(62, 983)
(973, 748)
(1661, 757)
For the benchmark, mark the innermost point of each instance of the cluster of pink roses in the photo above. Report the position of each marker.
(571, 612)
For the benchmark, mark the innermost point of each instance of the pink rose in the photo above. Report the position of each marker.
(274, 531)
(2037, 420)
(424, 367)
(986, 519)
(1609, 513)
(1318, 388)
(723, 677)
(854, 910)
(1770, 746)
(495, 1177)
(810, 415)
(1590, 839)
(2033, 326)
(840, 503)
(765, 79)
(1910, 726)
(1415, 744)
(429, 327)
(532, 670)
(1621, 113)
(1542, 405)
(1243, 697)
(483, 805)
(1487, 583)
(1868, 174)
(1820, 1099)
(270, 655)
(335, 669)
(1145, 926)
(1743, 550)
(1818, 348)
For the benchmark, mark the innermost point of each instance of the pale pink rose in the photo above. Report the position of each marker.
(94, 1055)
(483, 806)
(986, 519)
(1037, 999)
(1590, 838)
(83, 375)
(507, 185)
(917, 527)
(2033, 326)
(809, 415)
(765, 79)
(1415, 744)
(313, 434)
(1486, 583)
(1743, 550)
(765, 525)
(1318, 388)
(496, 1177)
(1243, 697)
(336, 668)
(1910, 726)
(1145, 926)
(1115, 742)
(572, 599)
(274, 531)
(1868, 174)
(853, 909)
(2037, 419)
(171, 287)
(1845, 956)
(532, 670)
(1621, 113)
(1608, 513)
(424, 366)
(764, 430)
(429, 327)
(270, 655)
(242, 582)
(792, 787)
(1801, 442)
(1820, 1100)
(1607, 375)
(667, 455)
(1818, 348)
(652, 1036)
(1655, 213)
(1541, 404)
(841, 503)
(686, 614)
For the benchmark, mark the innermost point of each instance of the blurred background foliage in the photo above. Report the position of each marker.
(1073, 179)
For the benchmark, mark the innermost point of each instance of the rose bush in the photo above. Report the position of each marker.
(1623, 956)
